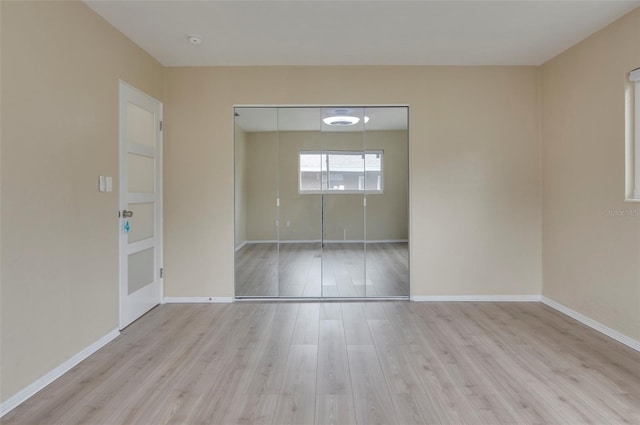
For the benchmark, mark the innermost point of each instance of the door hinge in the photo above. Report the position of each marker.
(161, 271)
(160, 125)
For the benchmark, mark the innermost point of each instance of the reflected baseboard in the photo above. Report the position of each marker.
(321, 299)
(326, 241)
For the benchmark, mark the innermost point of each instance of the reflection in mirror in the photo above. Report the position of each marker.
(300, 210)
(387, 224)
(256, 212)
(343, 255)
(321, 197)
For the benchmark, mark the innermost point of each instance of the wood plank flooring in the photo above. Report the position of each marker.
(348, 363)
(335, 270)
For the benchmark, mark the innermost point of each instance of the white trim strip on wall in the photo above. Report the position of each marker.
(636, 134)
(628, 341)
(192, 300)
(484, 298)
(322, 105)
(36, 386)
(326, 241)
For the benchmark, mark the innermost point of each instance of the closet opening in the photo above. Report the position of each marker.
(322, 202)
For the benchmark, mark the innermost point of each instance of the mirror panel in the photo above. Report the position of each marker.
(387, 191)
(300, 174)
(256, 193)
(343, 261)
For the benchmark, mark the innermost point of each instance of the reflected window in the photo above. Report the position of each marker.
(341, 171)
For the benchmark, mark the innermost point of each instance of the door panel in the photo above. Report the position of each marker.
(141, 269)
(300, 203)
(141, 125)
(142, 223)
(343, 256)
(387, 192)
(256, 195)
(140, 204)
(141, 176)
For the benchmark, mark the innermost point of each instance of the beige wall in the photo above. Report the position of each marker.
(591, 258)
(273, 168)
(60, 69)
(474, 168)
(240, 186)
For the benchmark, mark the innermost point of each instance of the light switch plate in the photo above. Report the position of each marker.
(101, 184)
(109, 184)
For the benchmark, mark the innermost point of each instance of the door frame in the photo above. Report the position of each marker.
(123, 201)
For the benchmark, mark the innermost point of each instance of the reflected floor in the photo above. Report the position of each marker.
(335, 270)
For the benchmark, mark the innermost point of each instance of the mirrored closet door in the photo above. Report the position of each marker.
(321, 202)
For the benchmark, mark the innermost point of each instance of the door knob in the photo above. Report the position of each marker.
(127, 214)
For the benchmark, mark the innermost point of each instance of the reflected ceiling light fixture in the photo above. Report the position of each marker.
(194, 39)
(341, 120)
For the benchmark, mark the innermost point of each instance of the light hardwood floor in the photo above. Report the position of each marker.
(335, 270)
(348, 363)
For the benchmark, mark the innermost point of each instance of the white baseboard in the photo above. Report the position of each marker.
(191, 300)
(628, 341)
(494, 298)
(30, 390)
(239, 247)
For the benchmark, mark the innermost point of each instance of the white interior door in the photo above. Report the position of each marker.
(140, 203)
